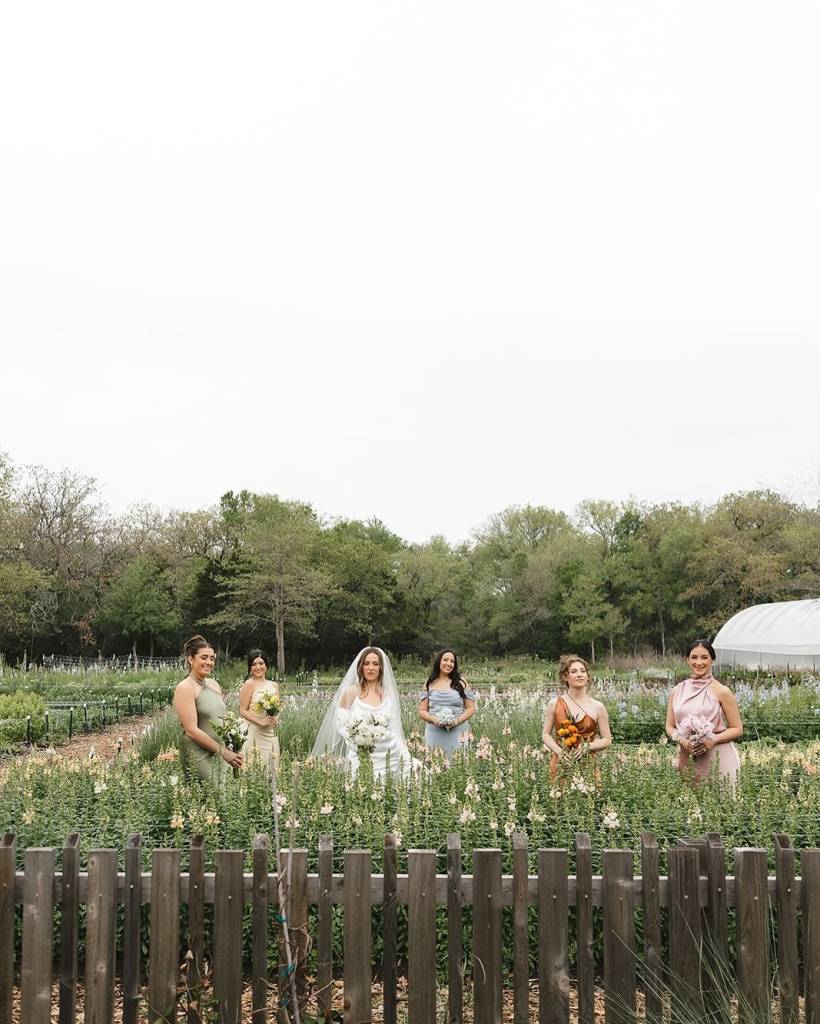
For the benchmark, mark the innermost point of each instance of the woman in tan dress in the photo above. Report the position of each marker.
(262, 741)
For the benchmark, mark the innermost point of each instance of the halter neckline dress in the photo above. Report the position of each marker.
(693, 697)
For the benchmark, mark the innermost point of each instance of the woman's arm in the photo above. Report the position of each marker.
(468, 712)
(604, 738)
(185, 707)
(245, 712)
(670, 728)
(424, 711)
(546, 733)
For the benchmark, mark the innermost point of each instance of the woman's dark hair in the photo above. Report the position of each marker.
(360, 666)
(456, 682)
(252, 658)
(195, 644)
(706, 645)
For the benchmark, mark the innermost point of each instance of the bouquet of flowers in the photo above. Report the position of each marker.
(268, 704)
(231, 730)
(694, 730)
(571, 740)
(365, 729)
(445, 718)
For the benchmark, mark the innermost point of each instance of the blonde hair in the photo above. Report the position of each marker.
(565, 663)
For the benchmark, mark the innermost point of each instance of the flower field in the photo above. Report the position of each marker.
(498, 785)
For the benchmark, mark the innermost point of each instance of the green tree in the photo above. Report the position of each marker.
(140, 604)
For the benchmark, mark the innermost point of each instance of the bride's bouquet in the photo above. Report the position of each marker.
(268, 704)
(694, 730)
(445, 718)
(365, 729)
(231, 730)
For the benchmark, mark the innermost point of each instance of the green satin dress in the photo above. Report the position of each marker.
(201, 763)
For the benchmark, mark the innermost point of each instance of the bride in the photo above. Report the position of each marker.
(368, 685)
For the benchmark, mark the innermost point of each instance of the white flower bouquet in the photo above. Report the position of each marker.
(365, 729)
(231, 730)
(445, 718)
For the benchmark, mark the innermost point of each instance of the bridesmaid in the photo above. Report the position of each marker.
(701, 694)
(445, 689)
(198, 702)
(262, 739)
(589, 716)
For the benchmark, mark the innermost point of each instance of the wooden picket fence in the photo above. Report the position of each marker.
(696, 894)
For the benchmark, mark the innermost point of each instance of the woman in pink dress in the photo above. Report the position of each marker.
(702, 699)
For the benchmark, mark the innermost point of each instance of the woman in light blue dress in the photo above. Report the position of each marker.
(446, 705)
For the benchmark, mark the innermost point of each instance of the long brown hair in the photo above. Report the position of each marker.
(360, 667)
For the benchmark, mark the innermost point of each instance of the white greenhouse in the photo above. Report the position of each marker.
(784, 634)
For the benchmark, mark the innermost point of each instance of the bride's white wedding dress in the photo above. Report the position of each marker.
(390, 755)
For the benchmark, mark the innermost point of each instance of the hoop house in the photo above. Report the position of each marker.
(784, 634)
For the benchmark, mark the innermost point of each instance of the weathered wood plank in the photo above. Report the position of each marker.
(752, 919)
(390, 929)
(195, 957)
(619, 937)
(163, 954)
(788, 976)
(553, 937)
(38, 916)
(810, 907)
(487, 990)
(455, 952)
(228, 935)
(651, 915)
(421, 937)
(69, 921)
(685, 933)
(100, 937)
(259, 930)
(357, 937)
(583, 921)
(131, 932)
(294, 864)
(8, 866)
(324, 938)
(521, 943)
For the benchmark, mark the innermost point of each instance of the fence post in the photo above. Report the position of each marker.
(196, 928)
(619, 937)
(295, 862)
(132, 930)
(38, 921)
(389, 928)
(788, 978)
(455, 925)
(357, 936)
(324, 952)
(521, 944)
(553, 937)
(259, 928)
(752, 917)
(163, 955)
(100, 934)
(487, 994)
(810, 906)
(583, 922)
(8, 865)
(651, 908)
(69, 914)
(685, 937)
(228, 896)
(70, 724)
(421, 936)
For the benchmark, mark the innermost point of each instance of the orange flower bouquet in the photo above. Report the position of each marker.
(571, 740)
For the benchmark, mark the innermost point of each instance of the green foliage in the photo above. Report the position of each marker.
(14, 711)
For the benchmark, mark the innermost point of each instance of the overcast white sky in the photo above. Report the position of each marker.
(414, 260)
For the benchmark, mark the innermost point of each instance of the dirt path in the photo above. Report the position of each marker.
(104, 741)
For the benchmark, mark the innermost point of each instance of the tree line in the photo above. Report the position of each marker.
(259, 570)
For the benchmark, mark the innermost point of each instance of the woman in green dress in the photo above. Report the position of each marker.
(198, 702)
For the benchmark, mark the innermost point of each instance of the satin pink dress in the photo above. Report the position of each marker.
(693, 697)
